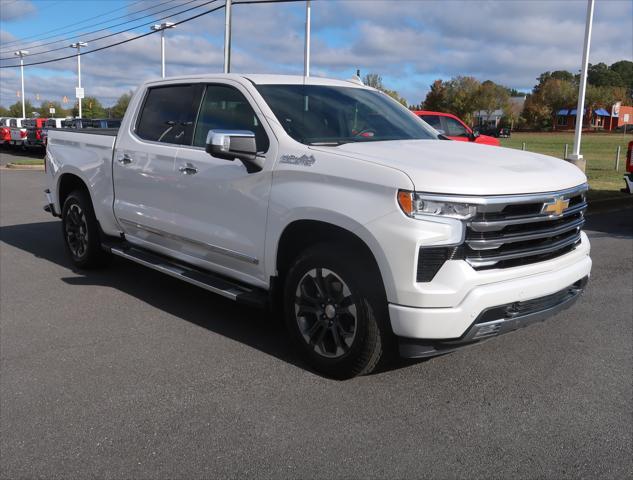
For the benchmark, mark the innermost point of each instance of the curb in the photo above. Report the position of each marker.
(13, 166)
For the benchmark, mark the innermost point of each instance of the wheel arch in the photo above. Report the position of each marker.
(300, 234)
(69, 182)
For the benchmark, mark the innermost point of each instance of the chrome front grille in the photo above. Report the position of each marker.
(516, 230)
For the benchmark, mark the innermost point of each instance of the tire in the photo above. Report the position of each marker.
(336, 311)
(80, 230)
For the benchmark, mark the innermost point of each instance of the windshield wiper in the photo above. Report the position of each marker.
(328, 144)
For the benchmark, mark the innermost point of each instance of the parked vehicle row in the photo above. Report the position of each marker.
(33, 132)
(330, 202)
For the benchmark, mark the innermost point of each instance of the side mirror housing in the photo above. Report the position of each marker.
(474, 135)
(234, 144)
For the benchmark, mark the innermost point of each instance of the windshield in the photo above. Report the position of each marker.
(319, 114)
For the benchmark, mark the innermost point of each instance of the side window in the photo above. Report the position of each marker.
(454, 128)
(433, 120)
(169, 113)
(225, 108)
(13, 122)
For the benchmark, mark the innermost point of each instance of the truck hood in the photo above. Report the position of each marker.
(440, 166)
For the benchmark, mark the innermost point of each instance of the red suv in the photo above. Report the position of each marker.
(453, 128)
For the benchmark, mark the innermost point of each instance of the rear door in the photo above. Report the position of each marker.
(144, 162)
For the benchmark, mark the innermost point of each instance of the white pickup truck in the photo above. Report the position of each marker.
(331, 203)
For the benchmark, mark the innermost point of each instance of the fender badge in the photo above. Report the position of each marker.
(305, 160)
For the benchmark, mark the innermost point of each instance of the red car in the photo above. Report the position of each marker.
(453, 128)
(628, 176)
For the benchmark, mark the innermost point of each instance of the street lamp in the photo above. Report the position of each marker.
(306, 53)
(162, 28)
(79, 93)
(227, 36)
(22, 54)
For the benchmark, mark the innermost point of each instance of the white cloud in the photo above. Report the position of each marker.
(409, 43)
(14, 9)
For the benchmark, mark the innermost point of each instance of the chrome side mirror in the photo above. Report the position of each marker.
(232, 144)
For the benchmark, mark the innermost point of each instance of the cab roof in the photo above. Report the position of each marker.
(266, 79)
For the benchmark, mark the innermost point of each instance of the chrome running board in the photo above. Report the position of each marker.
(213, 283)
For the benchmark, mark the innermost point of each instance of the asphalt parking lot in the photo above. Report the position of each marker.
(126, 373)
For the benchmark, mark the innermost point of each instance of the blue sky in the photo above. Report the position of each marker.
(409, 42)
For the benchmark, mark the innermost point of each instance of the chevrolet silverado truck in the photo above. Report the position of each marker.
(331, 203)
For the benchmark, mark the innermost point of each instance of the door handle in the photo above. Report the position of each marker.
(125, 159)
(188, 169)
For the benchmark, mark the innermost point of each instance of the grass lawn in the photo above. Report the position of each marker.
(28, 161)
(599, 150)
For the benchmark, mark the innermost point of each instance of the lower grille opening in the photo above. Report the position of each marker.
(527, 307)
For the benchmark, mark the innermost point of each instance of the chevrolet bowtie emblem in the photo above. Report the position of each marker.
(556, 207)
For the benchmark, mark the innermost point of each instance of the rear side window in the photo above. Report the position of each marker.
(169, 114)
(433, 120)
(225, 108)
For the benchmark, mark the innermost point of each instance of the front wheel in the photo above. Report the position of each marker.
(334, 311)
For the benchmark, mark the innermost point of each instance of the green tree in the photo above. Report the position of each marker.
(15, 110)
(624, 69)
(493, 97)
(537, 115)
(119, 108)
(562, 75)
(90, 108)
(600, 75)
(374, 80)
(463, 97)
(436, 99)
(44, 109)
(4, 112)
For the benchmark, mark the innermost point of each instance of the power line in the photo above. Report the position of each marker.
(151, 32)
(127, 29)
(38, 44)
(36, 35)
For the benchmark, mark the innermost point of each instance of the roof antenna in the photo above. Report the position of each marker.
(356, 78)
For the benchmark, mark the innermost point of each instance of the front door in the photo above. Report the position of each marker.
(222, 209)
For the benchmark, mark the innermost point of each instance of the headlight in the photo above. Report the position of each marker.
(413, 204)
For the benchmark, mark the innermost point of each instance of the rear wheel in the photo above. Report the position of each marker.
(81, 231)
(334, 313)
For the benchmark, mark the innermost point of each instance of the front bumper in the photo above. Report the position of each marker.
(454, 322)
(497, 321)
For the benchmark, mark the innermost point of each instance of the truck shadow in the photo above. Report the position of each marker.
(256, 328)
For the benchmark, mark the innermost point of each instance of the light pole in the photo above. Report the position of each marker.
(227, 36)
(576, 158)
(306, 55)
(162, 28)
(79, 91)
(22, 54)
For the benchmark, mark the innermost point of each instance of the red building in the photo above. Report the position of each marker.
(598, 119)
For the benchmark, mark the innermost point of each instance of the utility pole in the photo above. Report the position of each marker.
(306, 56)
(22, 54)
(576, 158)
(227, 36)
(162, 28)
(79, 92)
